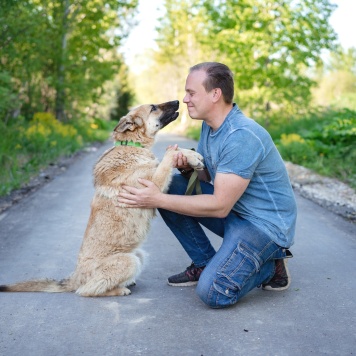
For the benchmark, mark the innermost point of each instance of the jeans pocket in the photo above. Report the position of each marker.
(236, 271)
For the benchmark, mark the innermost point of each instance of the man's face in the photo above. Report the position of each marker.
(197, 99)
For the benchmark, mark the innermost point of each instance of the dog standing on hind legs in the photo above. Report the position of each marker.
(110, 259)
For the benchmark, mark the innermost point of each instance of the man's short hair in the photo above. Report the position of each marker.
(218, 76)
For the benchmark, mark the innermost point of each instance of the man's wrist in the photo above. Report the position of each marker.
(186, 172)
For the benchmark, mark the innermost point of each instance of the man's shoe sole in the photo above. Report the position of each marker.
(279, 289)
(185, 284)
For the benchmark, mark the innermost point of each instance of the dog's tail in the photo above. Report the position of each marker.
(41, 285)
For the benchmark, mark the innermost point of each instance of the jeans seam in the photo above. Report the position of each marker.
(265, 248)
(249, 255)
(210, 295)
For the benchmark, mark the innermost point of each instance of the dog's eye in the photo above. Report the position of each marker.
(153, 108)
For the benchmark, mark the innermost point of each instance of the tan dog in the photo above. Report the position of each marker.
(109, 259)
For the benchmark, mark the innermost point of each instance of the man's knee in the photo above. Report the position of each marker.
(213, 295)
(218, 291)
(203, 290)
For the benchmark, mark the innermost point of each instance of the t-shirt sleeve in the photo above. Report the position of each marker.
(242, 153)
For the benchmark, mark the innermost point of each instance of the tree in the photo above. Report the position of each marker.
(269, 46)
(124, 96)
(22, 48)
(61, 53)
(89, 33)
(337, 80)
(178, 49)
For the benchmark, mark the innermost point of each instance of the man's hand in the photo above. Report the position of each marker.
(146, 197)
(179, 160)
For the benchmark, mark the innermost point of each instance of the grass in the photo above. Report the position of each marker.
(324, 142)
(27, 147)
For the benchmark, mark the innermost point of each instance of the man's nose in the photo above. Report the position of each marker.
(186, 98)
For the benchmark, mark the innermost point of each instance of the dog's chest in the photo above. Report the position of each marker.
(124, 165)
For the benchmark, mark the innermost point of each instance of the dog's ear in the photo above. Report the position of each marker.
(124, 124)
(128, 123)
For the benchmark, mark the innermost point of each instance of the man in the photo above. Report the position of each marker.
(246, 198)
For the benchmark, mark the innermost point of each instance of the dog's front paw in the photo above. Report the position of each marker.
(125, 291)
(194, 159)
(130, 284)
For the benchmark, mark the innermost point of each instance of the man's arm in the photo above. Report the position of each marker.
(228, 188)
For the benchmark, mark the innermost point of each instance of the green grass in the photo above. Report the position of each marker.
(27, 147)
(324, 142)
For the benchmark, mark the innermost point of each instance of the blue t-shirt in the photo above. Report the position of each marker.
(241, 146)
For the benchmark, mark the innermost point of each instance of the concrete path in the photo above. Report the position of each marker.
(41, 236)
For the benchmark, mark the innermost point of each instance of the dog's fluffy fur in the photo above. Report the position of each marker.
(110, 259)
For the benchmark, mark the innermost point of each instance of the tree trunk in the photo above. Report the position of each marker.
(60, 96)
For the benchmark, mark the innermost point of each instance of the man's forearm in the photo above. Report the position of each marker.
(204, 205)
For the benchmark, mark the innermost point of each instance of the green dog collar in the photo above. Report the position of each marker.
(128, 143)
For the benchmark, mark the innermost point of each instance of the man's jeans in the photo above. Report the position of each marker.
(244, 261)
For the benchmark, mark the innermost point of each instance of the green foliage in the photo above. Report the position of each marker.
(59, 54)
(56, 57)
(179, 31)
(44, 132)
(269, 46)
(193, 132)
(9, 100)
(324, 142)
(178, 48)
(337, 80)
(93, 129)
(296, 151)
(340, 131)
(124, 96)
(26, 147)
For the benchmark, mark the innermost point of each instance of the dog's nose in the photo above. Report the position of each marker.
(174, 103)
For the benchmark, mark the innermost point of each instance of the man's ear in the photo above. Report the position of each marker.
(217, 93)
(128, 123)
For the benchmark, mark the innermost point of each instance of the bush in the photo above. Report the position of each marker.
(294, 148)
(26, 147)
(49, 136)
(93, 129)
(324, 142)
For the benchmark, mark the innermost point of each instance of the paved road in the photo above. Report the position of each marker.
(41, 236)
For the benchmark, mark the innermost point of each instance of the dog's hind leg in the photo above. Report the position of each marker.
(112, 276)
(119, 291)
(142, 257)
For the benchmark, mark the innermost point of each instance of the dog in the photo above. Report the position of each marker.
(110, 259)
